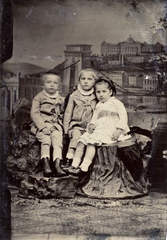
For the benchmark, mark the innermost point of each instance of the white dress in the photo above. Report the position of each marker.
(107, 117)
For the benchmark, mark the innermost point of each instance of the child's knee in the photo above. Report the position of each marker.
(45, 139)
(57, 136)
(75, 133)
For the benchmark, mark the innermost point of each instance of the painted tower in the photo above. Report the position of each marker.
(77, 57)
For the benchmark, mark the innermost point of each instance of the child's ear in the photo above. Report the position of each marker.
(111, 92)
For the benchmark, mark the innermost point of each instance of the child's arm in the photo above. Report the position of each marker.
(91, 126)
(123, 117)
(36, 116)
(68, 114)
(94, 117)
(116, 134)
(122, 124)
(62, 107)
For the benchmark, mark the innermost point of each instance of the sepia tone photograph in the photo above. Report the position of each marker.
(83, 119)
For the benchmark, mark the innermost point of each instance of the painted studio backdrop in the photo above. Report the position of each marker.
(124, 41)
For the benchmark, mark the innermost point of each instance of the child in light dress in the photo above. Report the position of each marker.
(47, 114)
(108, 125)
(79, 110)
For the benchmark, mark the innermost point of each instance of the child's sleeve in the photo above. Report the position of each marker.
(62, 107)
(123, 117)
(68, 114)
(93, 120)
(94, 117)
(35, 114)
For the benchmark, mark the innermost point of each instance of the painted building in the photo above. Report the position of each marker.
(150, 81)
(151, 48)
(139, 80)
(136, 79)
(132, 80)
(77, 56)
(131, 48)
(118, 77)
(108, 49)
(115, 59)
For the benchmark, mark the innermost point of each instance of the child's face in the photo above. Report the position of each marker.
(51, 84)
(86, 81)
(103, 93)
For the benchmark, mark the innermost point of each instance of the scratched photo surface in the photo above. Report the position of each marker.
(123, 194)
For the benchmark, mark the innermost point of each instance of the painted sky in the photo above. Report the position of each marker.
(42, 28)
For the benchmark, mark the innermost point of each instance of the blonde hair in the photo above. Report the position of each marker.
(91, 70)
(44, 76)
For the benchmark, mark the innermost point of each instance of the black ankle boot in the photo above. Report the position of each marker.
(59, 172)
(46, 167)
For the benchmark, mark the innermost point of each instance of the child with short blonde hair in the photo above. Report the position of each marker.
(80, 109)
(46, 114)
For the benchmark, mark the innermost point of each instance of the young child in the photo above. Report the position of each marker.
(79, 109)
(47, 114)
(108, 125)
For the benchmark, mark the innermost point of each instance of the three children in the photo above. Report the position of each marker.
(86, 123)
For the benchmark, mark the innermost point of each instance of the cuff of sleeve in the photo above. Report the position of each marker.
(41, 129)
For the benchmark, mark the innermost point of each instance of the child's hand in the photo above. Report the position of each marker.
(46, 131)
(91, 128)
(116, 134)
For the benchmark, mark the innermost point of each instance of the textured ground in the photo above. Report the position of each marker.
(136, 218)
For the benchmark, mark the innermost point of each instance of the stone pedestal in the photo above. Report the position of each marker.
(42, 187)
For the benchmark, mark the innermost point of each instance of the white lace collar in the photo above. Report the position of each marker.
(83, 92)
(51, 96)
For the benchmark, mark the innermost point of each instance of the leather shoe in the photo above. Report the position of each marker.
(74, 171)
(59, 172)
(77, 172)
(46, 167)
